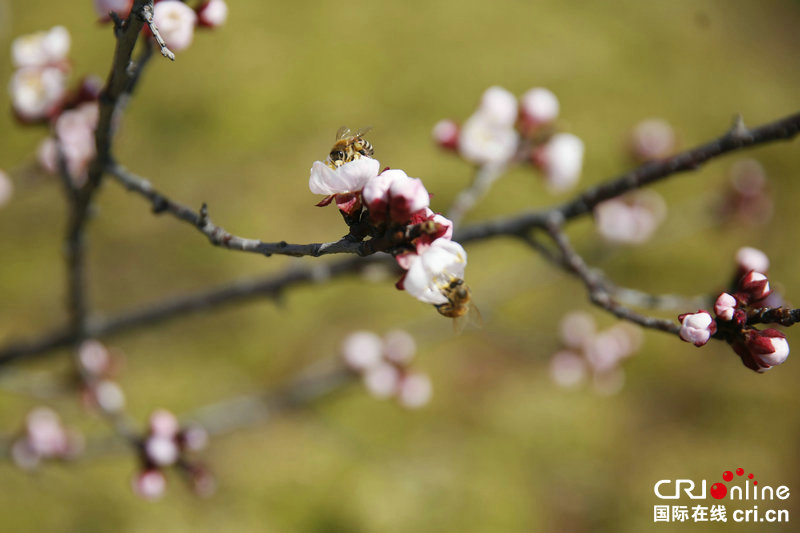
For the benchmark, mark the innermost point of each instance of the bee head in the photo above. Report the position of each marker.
(337, 155)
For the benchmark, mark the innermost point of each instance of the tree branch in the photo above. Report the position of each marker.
(219, 236)
(737, 138)
(595, 284)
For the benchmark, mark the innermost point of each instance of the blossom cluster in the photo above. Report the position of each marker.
(393, 209)
(505, 129)
(174, 19)
(630, 219)
(39, 83)
(98, 367)
(593, 354)
(384, 366)
(45, 437)
(759, 350)
(166, 444)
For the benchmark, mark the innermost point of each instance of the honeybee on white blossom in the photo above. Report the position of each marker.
(349, 146)
(459, 305)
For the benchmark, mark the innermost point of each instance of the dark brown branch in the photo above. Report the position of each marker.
(737, 138)
(240, 291)
(776, 315)
(218, 236)
(595, 284)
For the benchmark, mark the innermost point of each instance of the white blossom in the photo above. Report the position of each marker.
(382, 380)
(149, 484)
(631, 220)
(161, 450)
(562, 160)
(399, 347)
(213, 13)
(120, 7)
(652, 139)
(567, 368)
(415, 390)
(434, 269)
(482, 141)
(350, 177)
(41, 48)
(498, 107)
(362, 350)
(36, 91)
(539, 105)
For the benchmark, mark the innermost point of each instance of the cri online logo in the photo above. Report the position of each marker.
(669, 489)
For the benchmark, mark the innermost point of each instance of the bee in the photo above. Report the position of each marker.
(459, 305)
(349, 146)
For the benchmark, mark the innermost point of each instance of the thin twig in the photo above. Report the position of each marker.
(595, 284)
(157, 313)
(147, 14)
(219, 236)
(484, 178)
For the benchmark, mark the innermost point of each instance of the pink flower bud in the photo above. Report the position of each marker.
(725, 306)
(120, 7)
(754, 286)
(577, 328)
(415, 391)
(149, 484)
(697, 328)
(632, 219)
(212, 13)
(362, 350)
(163, 423)
(567, 369)
(652, 139)
(748, 259)
(762, 350)
(46, 435)
(445, 134)
(175, 22)
(538, 106)
(399, 347)
(499, 107)
(94, 358)
(109, 396)
(382, 380)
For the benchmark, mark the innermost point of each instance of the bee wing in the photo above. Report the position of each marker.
(363, 131)
(342, 132)
(471, 318)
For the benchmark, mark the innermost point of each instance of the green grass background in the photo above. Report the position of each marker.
(237, 121)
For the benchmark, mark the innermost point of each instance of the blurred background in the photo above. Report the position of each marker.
(237, 121)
